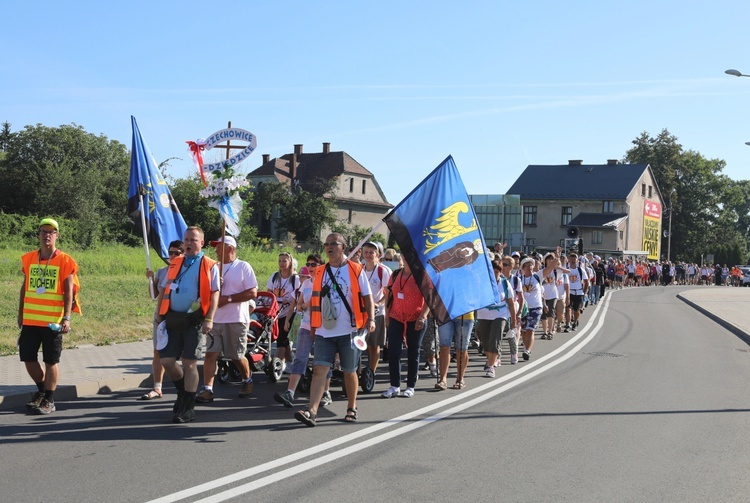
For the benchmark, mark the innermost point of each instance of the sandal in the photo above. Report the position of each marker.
(307, 417)
(351, 415)
(151, 395)
(459, 385)
(441, 385)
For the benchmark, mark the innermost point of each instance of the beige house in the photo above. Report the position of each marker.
(359, 199)
(616, 209)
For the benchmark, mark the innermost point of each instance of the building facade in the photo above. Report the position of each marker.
(358, 197)
(615, 208)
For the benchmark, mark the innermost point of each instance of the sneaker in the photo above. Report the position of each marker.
(187, 413)
(409, 392)
(205, 396)
(433, 370)
(286, 399)
(246, 390)
(326, 399)
(566, 329)
(486, 367)
(514, 358)
(45, 407)
(526, 355)
(573, 328)
(392, 391)
(36, 400)
(490, 372)
(544, 336)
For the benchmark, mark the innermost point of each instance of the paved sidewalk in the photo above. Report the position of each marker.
(84, 371)
(727, 306)
(92, 370)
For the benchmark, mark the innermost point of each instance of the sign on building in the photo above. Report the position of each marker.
(651, 226)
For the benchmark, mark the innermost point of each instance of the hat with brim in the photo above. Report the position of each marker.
(527, 260)
(49, 221)
(227, 240)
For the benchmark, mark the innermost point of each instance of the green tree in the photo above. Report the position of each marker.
(196, 211)
(67, 172)
(356, 233)
(303, 212)
(701, 217)
(5, 135)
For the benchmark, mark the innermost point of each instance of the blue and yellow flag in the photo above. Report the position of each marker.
(164, 223)
(436, 228)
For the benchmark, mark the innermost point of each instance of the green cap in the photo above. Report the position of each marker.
(50, 221)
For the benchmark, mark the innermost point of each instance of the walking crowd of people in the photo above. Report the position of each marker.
(348, 305)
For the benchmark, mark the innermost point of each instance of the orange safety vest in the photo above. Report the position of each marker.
(358, 310)
(41, 309)
(620, 269)
(639, 270)
(204, 283)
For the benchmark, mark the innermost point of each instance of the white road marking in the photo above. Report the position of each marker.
(338, 454)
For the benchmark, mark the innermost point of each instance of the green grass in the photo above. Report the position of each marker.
(114, 292)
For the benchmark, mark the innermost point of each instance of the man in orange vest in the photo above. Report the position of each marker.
(188, 298)
(341, 308)
(48, 296)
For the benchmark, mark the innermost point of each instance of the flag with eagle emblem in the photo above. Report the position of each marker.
(436, 229)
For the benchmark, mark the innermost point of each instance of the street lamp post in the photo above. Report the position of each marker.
(669, 235)
(735, 73)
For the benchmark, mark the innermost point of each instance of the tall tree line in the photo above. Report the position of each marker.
(710, 211)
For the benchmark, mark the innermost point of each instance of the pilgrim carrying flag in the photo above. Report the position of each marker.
(436, 228)
(164, 223)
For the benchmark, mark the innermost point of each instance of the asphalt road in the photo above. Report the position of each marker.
(646, 403)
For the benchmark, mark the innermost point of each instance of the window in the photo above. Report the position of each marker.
(650, 191)
(567, 215)
(530, 245)
(529, 215)
(351, 185)
(597, 237)
(349, 218)
(643, 189)
(608, 206)
(364, 185)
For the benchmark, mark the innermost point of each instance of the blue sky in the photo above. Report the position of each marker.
(397, 85)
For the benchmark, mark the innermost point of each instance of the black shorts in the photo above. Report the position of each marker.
(32, 337)
(576, 302)
(283, 340)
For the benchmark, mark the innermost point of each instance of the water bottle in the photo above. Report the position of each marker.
(55, 327)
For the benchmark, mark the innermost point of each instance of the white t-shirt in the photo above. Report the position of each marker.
(576, 277)
(549, 285)
(343, 320)
(562, 280)
(378, 278)
(500, 310)
(532, 290)
(284, 290)
(305, 294)
(238, 277)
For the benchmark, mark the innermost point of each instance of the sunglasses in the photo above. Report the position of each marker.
(505, 264)
(174, 253)
(312, 264)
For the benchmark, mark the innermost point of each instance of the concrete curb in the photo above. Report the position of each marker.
(744, 336)
(83, 389)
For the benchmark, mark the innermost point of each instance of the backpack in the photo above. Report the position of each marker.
(295, 280)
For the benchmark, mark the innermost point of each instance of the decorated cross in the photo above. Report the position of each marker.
(221, 183)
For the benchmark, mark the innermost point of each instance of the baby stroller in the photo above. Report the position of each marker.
(263, 330)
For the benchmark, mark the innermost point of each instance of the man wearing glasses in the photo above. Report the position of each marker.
(157, 369)
(48, 296)
(340, 307)
(188, 298)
